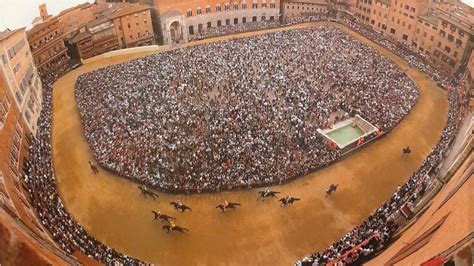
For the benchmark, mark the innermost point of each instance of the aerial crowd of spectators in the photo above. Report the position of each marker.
(237, 28)
(40, 180)
(381, 222)
(306, 17)
(240, 113)
(237, 113)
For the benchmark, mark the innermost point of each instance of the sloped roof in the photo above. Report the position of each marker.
(41, 26)
(7, 33)
(81, 36)
(123, 10)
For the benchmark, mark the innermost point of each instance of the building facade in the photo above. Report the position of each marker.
(20, 103)
(21, 76)
(96, 38)
(133, 25)
(443, 30)
(71, 19)
(180, 21)
(47, 45)
(119, 26)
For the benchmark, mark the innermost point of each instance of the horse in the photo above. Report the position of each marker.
(162, 217)
(406, 151)
(145, 192)
(170, 228)
(180, 206)
(332, 188)
(288, 201)
(265, 194)
(230, 205)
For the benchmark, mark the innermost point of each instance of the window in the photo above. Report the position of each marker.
(244, 5)
(218, 8)
(458, 43)
(191, 30)
(199, 11)
(254, 4)
(455, 54)
(272, 5)
(450, 37)
(209, 25)
(244, 20)
(129, 25)
(236, 6)
(392, 31)
(219, 23)
(227, 7)
(236, 21)
(405, 37)
(442, 33)
(189, 13)
(447, 49)
(208, 9)
(264, 4)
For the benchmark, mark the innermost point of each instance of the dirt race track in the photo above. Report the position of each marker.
(257, 233)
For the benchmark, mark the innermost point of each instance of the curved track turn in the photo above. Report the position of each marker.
(257, 233)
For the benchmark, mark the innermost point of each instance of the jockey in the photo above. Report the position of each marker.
(172, 224)
(180, 204)
(158, 214)
(226, 204)
(266, 191)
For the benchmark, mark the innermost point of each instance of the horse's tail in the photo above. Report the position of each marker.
(296, 198)
(237, 204)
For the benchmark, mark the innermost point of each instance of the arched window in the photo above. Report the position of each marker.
(189, 13)
(254, 4)
(209, 25)
(198, 11)
(236, 6)
(208, 9)
(244, 5)
(227, 7)
(263, 18)
(191, 30)
(264, 4)
(218, 8)
(236, 21)
(244, 20)
(227, 22)
(254, 19)
(272, 4)
(219, 23)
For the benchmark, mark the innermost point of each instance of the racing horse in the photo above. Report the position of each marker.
(145, 192)
(262, 194)
(230, 205)
(179, 206)
(332, 188)
(406, 151)
(168, 228)
(287, 201)
(162, 217)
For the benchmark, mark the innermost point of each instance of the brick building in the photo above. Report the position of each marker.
(21, 76)
(178, 21)
(20, 101)
(443, 30)
(133, 25)
(119, 26)
(71, 19)
(96, 38)
(47, 45)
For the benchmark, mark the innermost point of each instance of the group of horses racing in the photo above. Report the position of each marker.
(226, 205)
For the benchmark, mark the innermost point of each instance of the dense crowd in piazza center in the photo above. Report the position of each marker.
(236, 113)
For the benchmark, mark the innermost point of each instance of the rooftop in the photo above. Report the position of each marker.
(41, 26)
(81, 36)
(82, 6)
(123, 10)
(7, 33)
